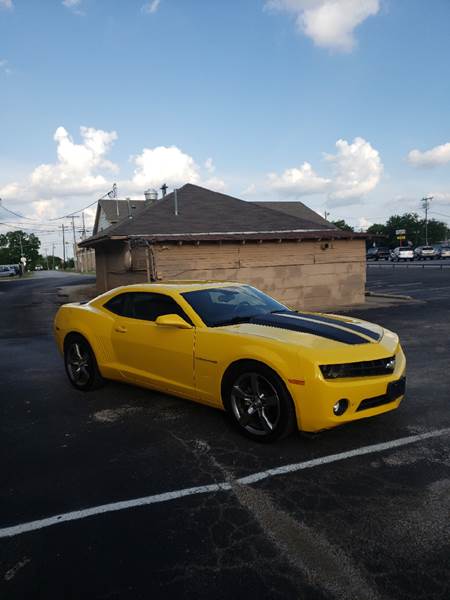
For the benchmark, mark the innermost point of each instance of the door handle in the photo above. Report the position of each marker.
(120, 329)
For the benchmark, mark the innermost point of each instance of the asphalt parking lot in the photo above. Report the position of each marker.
(357, 512)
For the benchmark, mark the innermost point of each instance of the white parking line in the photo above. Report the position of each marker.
(215, 487)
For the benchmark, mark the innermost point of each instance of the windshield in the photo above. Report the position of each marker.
(231, 305)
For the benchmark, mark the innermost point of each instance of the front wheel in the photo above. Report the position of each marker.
(259, 403)
(80, 363)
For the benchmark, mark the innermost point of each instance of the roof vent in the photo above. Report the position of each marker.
(151, 196)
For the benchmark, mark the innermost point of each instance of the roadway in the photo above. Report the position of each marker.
(357, 512)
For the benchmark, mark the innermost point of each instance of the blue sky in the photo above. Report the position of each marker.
(265, 100)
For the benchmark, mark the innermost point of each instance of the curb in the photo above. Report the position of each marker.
(394, 296)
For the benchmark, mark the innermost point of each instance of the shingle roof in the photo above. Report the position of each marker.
(116, 210)
(298, 209)
(205, 214)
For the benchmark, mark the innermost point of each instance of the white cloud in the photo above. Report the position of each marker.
(170, 165)
(298, 181)
(6, 4)
(357, 171)
(364, 223)
(214, 183)
(439, 197)
(74, 6)
(439, 155)
(47, 209)
(77, 166)
(82, 171)
(155, 166)
(11, 190)
(151, 7)
(329, 23)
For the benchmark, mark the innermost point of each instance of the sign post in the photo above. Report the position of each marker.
(401, 235)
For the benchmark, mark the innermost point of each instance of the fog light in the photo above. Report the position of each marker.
(340, 407)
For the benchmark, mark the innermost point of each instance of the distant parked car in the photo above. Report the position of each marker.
(6, 271)
(38, 268)
(377, 253)
(425, 252)
(443, 251)
(402, 253)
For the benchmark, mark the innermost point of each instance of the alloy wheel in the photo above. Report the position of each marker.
(255, 403)
(78, 363)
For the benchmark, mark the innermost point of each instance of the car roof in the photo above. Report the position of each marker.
(176, 286)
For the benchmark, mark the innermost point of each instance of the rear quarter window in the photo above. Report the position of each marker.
(116, 304)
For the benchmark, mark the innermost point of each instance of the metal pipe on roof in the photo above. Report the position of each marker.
(175, 198)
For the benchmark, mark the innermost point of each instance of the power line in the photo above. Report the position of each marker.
(68, 216)
(14, 213)
(112, 194)
(438, 213)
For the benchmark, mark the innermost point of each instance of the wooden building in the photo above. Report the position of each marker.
(201, 234)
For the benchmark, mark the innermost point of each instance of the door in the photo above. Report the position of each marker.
(150, 354)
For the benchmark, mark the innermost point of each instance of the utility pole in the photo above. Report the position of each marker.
(53, 256)
(426, 205)
(83, 234)
(64, 247)
(75, 259)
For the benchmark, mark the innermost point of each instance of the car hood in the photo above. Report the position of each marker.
(319, 331)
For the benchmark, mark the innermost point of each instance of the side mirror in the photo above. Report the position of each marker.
(173, 321)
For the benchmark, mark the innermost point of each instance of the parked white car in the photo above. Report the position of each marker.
(426, 252)
(444, 252)
(402, 253)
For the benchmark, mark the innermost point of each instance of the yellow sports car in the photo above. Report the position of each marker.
(231, 346)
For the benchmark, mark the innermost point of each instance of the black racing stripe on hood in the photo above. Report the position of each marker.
(303, 326)
(358, 328)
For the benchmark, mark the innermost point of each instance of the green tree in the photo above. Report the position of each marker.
(410, 222)
(377, 229)
(53, 261)
(414, 227)
(15, 244)
(437, 231)
(343, 225)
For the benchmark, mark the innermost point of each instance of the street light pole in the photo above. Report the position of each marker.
(426, 205)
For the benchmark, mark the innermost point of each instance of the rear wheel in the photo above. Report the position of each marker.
(80, 363)
(258, 402)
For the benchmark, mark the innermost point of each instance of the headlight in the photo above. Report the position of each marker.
(367, 368)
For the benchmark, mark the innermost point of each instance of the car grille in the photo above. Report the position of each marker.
(366, 368)
(394, 390)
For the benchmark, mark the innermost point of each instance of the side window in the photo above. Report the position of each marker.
(150, 306)
(117, 304)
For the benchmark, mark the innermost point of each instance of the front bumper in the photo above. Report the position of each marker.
(366, 396)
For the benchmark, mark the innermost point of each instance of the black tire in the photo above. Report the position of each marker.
(80, 363)
(252, 385)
